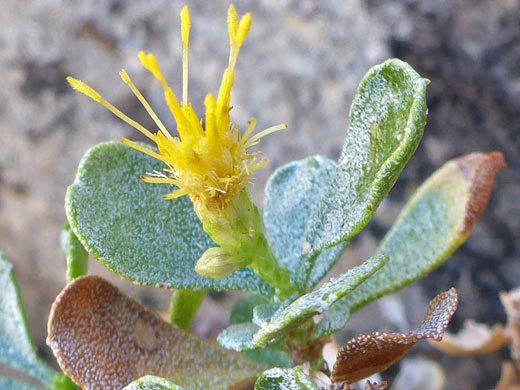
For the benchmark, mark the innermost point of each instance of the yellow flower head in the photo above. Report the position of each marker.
(208, 161)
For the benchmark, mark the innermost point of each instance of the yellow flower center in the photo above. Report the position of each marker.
(210, 162)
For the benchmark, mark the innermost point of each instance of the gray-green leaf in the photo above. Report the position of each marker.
(387, 119)
(126, 225)
(9, 384)
(291, 197)
(285, 379)
(434, 223)
(317, 301)
(152, 383)
(17, 348)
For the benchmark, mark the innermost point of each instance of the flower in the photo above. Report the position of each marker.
(209, 161)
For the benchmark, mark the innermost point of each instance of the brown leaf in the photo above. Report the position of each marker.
(370, 353)
(473, 339)
(105, 340)
(479, 171)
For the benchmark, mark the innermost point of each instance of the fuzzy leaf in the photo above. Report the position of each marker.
(116, 340)
(126, 225)
(17, 348)
(272, 356)
(387, 119)
(76, 256)
(9, 384)
(152, 383)
(317, 301)
(238, 337)
(291, 197)
(331, 322)
(285, 379)
(243, 309)
(435, 222)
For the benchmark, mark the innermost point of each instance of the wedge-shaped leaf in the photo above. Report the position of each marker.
(317, 301)
(435, 222)
(116, 340)
(291, 197)
(9, 384)
(238, 337)
(152, 383)
(371, 353)
(243, 309)
(272, 356)
(285, 379)
(76, 256)
(17, 348)
(387, 119)
(126, 225)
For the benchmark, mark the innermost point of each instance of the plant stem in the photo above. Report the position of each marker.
(184, 305)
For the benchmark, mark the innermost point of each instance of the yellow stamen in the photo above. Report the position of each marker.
(80, 86)
(185, 34)
(143, 101)
(211, 163)
(232, 24)
(151, 65)
(145, 150)
(158, 180)
(252, 125)
(254, 139)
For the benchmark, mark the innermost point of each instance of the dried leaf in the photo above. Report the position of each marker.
(473, 339)
(105, 340)
(374, 352)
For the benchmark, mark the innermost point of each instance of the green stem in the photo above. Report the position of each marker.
(270, 271)
(184, 305)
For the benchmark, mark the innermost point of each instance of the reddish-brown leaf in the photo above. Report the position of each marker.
(105, 340)
(479, 171)
(374, 352)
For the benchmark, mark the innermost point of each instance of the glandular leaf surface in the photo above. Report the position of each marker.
(371, 353)
(152, 383)
(434, 223)
(291, 197)
(17, 349)
(387, 119)
(126, 225)
(285, 379)
(317, 301)
(115, 340)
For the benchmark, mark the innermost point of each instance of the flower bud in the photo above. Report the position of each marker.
(217, 263)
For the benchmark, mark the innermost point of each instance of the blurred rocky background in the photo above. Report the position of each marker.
(301, 64)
